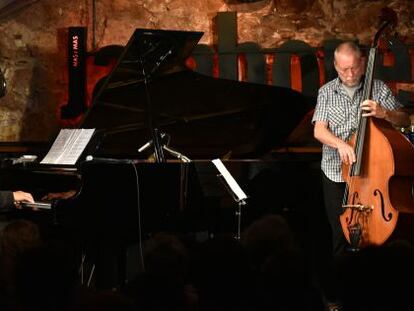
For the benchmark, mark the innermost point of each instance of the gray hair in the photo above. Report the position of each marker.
(348, 47)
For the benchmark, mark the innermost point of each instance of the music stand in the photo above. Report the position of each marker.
(234, 189)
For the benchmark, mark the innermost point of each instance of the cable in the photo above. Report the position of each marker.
(141, 255)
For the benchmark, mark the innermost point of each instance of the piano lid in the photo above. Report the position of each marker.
(204, 117)
(149, 53)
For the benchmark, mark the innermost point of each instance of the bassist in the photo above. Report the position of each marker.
(336, 118)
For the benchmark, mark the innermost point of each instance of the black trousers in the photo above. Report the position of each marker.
(333, 193)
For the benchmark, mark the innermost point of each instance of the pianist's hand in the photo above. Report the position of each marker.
(59, 195)
(20, 196)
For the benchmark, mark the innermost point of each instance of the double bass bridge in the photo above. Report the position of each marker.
(361, 208)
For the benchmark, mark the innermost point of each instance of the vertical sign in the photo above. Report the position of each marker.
(77, 73)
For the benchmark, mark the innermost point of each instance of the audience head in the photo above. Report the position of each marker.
(19, 236)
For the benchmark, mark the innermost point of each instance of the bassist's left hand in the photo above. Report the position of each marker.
(373, 109)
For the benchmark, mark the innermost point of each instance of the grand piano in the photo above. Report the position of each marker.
(117, 196)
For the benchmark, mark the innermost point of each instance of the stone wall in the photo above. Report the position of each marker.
(33, 53)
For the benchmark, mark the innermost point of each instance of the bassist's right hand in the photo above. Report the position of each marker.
(346, 153)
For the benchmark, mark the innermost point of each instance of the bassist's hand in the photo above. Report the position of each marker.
(397, 117)
(373, 109)
(346, 152)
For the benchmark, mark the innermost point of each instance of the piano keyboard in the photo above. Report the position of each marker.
(37, 205)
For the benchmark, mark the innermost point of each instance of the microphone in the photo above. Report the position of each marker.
(164, 56)
(150, 143)
(161, 60)
(108, 160)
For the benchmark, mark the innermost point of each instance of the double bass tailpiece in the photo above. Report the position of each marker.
(356, 225)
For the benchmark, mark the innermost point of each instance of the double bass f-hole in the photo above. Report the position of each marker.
(354, 199)
(388, 217)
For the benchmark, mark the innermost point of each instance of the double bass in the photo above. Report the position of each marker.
(379, 195)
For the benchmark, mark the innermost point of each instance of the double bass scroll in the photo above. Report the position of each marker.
(379, 193)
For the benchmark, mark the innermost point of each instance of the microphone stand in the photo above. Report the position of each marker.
(184, 171)
(155, 134)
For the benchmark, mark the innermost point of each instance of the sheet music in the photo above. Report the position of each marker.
(68, 146)
(234, 186)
